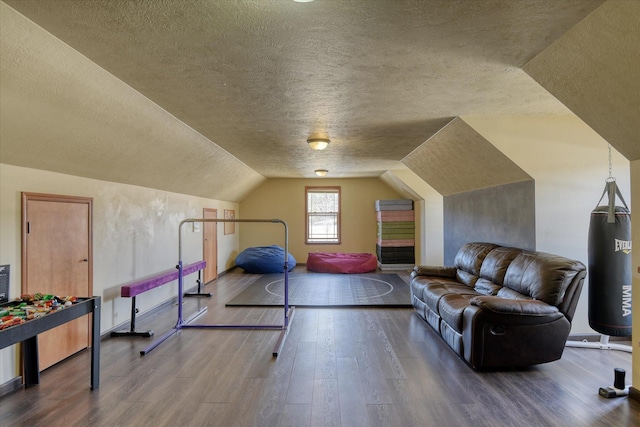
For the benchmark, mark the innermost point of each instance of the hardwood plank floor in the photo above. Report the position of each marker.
(339, 367)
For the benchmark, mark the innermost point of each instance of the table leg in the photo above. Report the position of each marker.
(31, 370)
(95, 345)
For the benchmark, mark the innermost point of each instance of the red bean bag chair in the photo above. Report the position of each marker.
(327, 262)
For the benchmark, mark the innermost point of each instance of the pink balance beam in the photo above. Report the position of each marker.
(143, 285)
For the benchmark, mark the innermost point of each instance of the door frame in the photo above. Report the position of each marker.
(26, 197)
(205, 225)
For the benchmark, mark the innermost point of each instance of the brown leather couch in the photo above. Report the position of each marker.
(498, 306)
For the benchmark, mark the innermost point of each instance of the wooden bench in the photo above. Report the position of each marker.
(133, 289)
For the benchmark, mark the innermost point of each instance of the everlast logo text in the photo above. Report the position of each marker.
(626, 300)
(623, 245)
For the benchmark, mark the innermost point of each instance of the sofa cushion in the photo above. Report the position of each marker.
(452, 307)
(469, 261)
(486, 287)
(505, 292)
(436, 271)
(451, 337)
(495, 264)
(493, 269)
(468, 279)
(434, 291)
(542, 276)
(514, 306)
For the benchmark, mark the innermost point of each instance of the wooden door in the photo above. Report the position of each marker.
(210, 245)
(57, 260)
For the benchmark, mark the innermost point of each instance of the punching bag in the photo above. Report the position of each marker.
(610, 266)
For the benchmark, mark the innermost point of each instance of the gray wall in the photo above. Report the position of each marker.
(503, 214)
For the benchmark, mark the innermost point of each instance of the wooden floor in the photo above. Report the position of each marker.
(339, 367)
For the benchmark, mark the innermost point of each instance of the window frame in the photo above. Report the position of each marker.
(322, 189)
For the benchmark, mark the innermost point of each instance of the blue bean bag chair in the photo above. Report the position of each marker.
(264, 260)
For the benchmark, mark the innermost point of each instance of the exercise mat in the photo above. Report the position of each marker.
(327, 290)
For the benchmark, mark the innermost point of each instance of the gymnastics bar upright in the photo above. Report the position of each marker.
(185, 324)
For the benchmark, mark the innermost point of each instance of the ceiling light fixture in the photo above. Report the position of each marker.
(321, 172)
(318, 143)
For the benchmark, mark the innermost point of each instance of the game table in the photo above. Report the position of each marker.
(27, 333)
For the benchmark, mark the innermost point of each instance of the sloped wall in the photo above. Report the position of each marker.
(594, 70)
(63, 113)
(458, 159)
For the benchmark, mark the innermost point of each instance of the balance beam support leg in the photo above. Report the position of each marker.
(132, 330)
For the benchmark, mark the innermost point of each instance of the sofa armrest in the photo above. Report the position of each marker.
(436, 271)
(514, 306)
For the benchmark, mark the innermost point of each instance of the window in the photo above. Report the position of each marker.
(322, 210)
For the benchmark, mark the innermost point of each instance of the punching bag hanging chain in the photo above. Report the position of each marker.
(611, 178)
(611, 189)
(611, 184)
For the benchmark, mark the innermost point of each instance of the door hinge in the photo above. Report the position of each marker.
(28, 227)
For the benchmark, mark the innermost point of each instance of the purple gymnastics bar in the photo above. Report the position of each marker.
(185, 324)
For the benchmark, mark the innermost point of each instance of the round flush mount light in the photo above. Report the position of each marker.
(303, 1)
(321, 172)
(318, 143)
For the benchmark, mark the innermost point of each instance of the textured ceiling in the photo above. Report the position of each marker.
(257, 78)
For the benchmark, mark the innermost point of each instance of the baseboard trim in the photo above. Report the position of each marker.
(10, 386)
(222, 273)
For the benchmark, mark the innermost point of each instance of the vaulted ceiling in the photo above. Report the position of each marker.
(196, 95)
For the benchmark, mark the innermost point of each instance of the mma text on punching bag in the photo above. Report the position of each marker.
(610, 269)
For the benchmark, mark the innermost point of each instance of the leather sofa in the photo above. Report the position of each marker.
(500, 307)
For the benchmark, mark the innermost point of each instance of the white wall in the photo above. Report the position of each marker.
(135, 234)
(569, 163)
